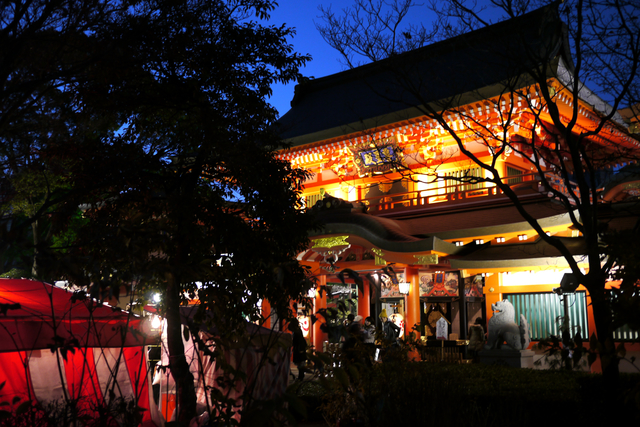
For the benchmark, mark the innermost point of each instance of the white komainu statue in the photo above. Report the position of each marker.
(502, 328)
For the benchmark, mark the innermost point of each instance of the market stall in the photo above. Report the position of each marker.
(59, 347)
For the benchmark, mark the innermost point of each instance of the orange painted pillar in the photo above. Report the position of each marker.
(364, 301)
(266, 313)
(413, 299)
(321, 302)
(413, 306)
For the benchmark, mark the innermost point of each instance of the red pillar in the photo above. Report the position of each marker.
(364, 301)
(321, 302)
(266, 313)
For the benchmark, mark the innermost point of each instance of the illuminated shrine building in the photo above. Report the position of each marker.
(393, 188)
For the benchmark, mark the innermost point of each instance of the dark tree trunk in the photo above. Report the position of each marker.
(185, 390)
(604, 331)
(36, 245)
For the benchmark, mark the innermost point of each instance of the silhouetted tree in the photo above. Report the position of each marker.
(151, 118)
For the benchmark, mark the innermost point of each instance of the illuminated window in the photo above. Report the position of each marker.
(312, 199)
(459, 180)
(515, 175)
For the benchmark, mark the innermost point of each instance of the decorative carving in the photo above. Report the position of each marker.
(431, 150)
(367, 256)
(379, 256)
(384, 187)
(330, 268)
(426, 259)
(330, 248)
(390, 285)
(386, 191)
(473, 286)
(439, 284)
(330, 242)
(329, 202)
(632, 189)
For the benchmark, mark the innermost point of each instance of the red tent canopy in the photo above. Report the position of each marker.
(106, 356)
(36, 315)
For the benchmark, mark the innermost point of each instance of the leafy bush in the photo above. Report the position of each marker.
(26, 413)
(412, 393)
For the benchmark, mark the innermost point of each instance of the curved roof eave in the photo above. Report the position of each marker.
(550, 262)
(522, 226)
(586, 95)
(394, 116)
(381, 233)
(534, 254)
(627, 178)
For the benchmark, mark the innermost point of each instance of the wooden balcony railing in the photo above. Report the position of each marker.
(455, 193)
(439, 196)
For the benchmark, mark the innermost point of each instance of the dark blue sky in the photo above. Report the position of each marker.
(301, 14)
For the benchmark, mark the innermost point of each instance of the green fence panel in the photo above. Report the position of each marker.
(543, 311)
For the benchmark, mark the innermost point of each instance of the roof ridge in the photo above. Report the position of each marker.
(312, 85)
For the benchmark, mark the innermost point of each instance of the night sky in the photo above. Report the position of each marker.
(301, 14)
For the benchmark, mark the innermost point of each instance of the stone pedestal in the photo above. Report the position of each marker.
(514, 358)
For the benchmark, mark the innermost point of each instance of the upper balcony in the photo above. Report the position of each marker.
(453, 195)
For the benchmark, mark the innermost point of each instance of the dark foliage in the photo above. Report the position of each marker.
(136, 152)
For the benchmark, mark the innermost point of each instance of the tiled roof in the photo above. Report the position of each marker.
(453, 70)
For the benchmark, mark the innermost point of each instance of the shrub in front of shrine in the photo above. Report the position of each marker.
(399, 392)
